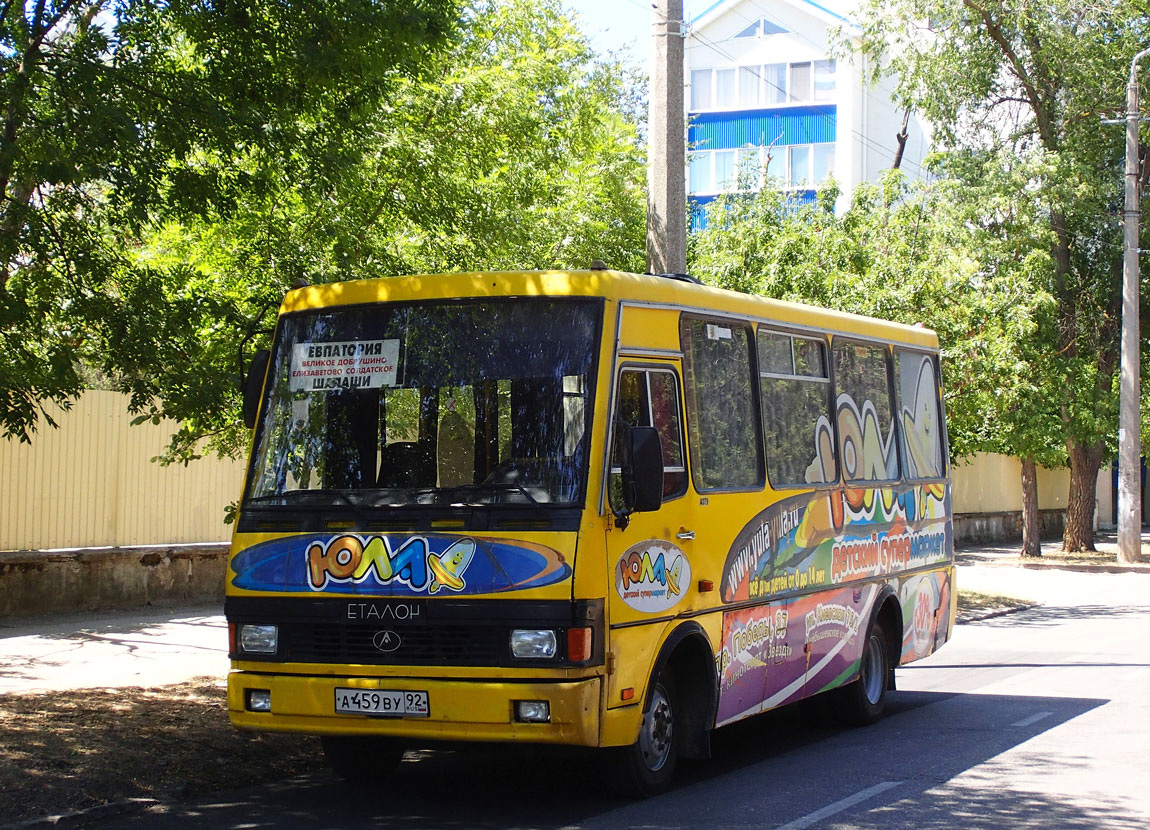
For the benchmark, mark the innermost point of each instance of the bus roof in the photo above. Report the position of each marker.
(612, 285)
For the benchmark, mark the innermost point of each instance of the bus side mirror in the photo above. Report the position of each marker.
(254, 385)
(642, 470)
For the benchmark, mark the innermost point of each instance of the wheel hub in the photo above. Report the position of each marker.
(657, 733)
(872, 670)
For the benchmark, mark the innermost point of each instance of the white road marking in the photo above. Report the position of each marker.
(1134, 675)
(1035, 718)
(839, 806)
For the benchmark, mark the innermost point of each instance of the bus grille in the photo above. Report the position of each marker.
(439, 645)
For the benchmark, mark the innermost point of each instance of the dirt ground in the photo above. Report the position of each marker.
(66, 751)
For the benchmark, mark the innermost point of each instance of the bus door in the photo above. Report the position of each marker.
(649, 556)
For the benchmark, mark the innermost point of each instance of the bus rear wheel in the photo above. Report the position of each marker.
(644, 768)
(361, 758)
(864, 701)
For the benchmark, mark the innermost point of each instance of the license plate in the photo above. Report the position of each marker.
(397, 704)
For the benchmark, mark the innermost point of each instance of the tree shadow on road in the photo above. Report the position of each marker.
(1049, 615)
(765, 772)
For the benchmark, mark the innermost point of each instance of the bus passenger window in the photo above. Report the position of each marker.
(721, 418)
(918, 414)
(650, 398)
(795, 390)
(866, 426)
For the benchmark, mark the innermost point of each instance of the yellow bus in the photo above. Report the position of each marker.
(581, 507)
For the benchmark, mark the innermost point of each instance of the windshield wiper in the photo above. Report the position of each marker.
(500, 487)
(293, 496)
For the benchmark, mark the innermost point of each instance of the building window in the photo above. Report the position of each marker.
(701, 89)
(775, 77)
(824, 161)
(824, 80)
(762, 85)
(775, 164)
(725, 88)
(800, 82)
(748, 167)
(725, 170)
(799, 166)
(749, 84)
(700, 172)
(761, 28)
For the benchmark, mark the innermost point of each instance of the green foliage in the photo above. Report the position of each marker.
(911, 253)
(382, 141)
(119, 117)
(1016, 91)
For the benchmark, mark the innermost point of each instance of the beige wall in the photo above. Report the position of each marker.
(91, 483)
(987, 483)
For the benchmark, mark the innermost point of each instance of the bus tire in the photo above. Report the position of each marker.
(863, 701)
(644, 768)
(361, 758)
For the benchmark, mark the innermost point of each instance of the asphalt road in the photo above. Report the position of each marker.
(1039, 719)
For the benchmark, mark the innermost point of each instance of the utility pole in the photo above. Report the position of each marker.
(666, 140)
(1129, 420)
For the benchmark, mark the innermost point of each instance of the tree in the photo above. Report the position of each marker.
(370, 140)
(514, 149)
(932, 253)
(121, 116)
(1003, 80)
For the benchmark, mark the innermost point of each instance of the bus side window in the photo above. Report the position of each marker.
(795, 390)
(718, 374)
(863, 409)
(650, 397)
(916, 388)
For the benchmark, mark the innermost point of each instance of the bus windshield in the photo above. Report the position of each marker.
(436, 403)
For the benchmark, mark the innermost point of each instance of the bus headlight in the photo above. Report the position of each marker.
(533, 644)
(258, 639)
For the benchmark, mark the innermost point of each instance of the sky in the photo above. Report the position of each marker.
(618, 24)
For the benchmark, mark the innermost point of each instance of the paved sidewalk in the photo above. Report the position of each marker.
(140, 647)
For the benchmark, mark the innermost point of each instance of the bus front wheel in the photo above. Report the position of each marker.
(361, 758)
(864, 700)
(644, 768)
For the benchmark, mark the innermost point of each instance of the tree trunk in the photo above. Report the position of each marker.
(1084, 463)
(901, 137)
(1031, 532)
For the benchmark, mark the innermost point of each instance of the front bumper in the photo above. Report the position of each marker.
(460, 710)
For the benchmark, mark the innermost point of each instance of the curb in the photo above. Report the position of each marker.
(128, 806)
(1140, 568)
(1038, 565)
(989, 615)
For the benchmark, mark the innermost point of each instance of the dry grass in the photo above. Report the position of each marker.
(974, 604)
(1103, 556)
(65, 751)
